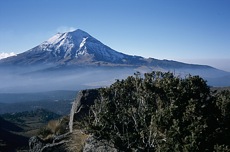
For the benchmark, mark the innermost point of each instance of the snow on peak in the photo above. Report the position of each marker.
(79, 33)
(6, 55)
(83, 42)
(74, 37)
(55, 38)
(78, 43)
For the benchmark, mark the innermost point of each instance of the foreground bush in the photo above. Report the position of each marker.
(161, 112)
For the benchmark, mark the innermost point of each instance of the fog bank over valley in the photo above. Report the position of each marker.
(22, 80)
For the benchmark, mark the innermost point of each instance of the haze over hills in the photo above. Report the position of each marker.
(76, 60)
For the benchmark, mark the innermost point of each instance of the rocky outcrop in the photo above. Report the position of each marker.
(36, 144)
(94, 145)
(80, 107)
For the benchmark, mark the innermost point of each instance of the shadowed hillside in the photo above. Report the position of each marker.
(17, 128)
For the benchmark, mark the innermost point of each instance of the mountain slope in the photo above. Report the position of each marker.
(77, 58)
(78, 47)
(70, 48)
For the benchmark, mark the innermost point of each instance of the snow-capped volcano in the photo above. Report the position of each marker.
(69, 48)
(72, 55)
(80, 48)
(70, 44)
(78, 44)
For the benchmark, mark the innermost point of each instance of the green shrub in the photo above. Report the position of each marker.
(161, 112)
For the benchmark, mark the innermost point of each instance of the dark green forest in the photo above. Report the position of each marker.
(162, 112)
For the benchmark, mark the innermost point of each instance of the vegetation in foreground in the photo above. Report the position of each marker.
(162, 112)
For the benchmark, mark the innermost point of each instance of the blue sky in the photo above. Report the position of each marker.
(193, 31)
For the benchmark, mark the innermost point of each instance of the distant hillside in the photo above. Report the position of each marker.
(8, 140)
(38, 96)
(41, 115)
(55, 101)
(220, 88)
(59, 107)
(17, 128)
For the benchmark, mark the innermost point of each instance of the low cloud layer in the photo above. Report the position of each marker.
(21, 80)
(5, 55)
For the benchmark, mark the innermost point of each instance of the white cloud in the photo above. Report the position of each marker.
(63, 29)
(5, 55)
